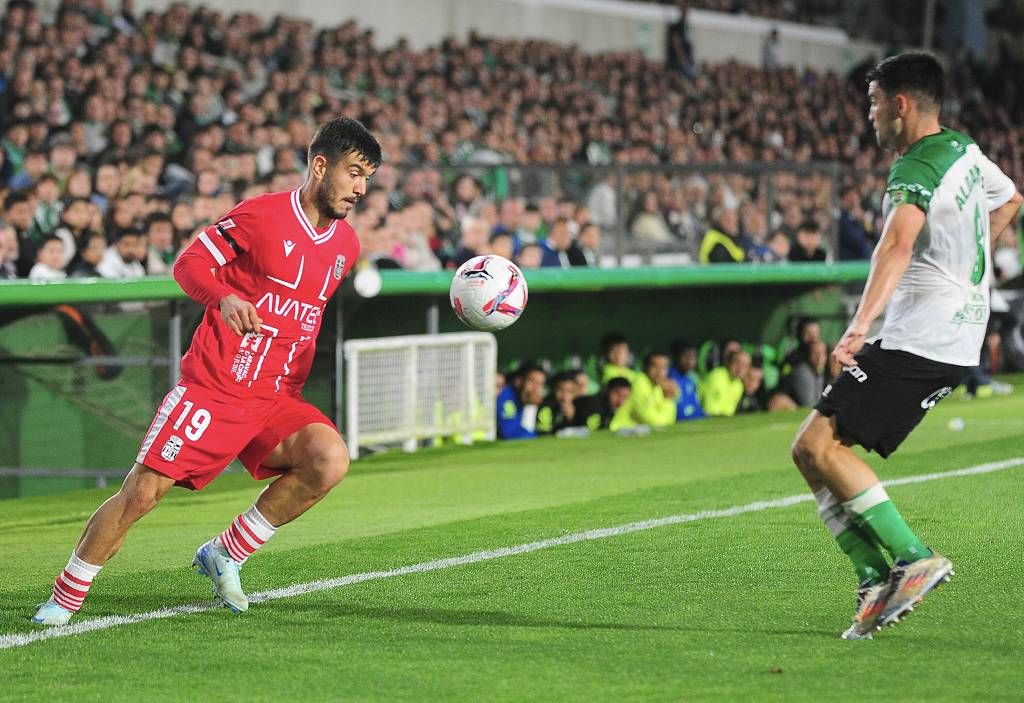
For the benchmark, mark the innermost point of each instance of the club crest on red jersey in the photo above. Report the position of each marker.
(339, 266)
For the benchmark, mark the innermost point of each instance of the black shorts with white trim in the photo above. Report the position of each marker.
(878, 402)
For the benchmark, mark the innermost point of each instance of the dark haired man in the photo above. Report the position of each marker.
(807, 243)
(265, 272)
(934, 288)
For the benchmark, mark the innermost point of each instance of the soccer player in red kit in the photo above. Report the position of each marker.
(265, 273)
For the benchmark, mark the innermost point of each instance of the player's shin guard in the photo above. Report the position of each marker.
(246, 534)
(868, 561)
(71, 587)
(877, 514)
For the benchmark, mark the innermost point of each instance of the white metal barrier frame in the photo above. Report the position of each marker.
(421, 387)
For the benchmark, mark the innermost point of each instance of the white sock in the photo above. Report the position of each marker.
(247, 533)
(71, 587)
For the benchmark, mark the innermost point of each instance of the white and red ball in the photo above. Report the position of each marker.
(488, 293)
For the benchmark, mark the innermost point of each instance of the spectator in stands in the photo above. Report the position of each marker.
(721, 243)
(558, 409)
(502, 245)
(722, 389)
(778, 245)
(854, 243)
(608, 409)
(75, 223)
(807, 246)
(518, 403)
(589, 242)
(678, 49)
(121, 259)
(654, 397)
(559, 250)
(33, 168)
(106, 186)
(49, 264)
(162, 249)
(91, 252)
(19, 207)
(8, 252)
(48, 207)
(530, 256)
(602, 202)
(474, 241)
(647, 223)
(684, 372)
(771, 51)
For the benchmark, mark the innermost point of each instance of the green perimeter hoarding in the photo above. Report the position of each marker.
(65, 417)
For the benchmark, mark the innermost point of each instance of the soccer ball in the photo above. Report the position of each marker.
(488, 293)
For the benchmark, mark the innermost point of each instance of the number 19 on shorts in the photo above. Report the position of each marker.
(197, 421)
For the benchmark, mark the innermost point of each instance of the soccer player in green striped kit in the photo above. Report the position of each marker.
(930, 273)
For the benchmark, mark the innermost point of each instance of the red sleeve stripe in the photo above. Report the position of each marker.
(217, 255)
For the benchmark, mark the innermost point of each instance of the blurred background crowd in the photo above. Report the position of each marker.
(123, 134)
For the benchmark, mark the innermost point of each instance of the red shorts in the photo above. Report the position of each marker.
(196, 433)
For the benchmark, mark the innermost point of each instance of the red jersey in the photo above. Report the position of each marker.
(267, 252)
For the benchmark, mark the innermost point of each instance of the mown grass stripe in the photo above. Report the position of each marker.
(13, 640)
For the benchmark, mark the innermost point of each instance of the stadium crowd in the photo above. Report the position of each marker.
(122, 135)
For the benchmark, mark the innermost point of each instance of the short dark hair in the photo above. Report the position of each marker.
(342, 136)
(809, 226)
(610, 340)
(15, 197)
(678, 346)
(616, 383)
(651, 356)
(916, 72)
(128, 232)
(157, 217)
(563, 377)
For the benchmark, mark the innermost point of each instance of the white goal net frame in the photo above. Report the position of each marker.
(402, 390)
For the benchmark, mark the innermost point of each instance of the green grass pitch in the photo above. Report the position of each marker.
(746, 607)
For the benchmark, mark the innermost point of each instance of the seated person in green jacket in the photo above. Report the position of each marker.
(608, 409)
(558, 410)
(722, 389)
(616, 358)
(653, 401)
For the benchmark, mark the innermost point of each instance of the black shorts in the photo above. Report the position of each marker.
(878, 402)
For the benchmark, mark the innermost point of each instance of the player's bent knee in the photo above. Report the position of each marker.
(806, 450)
(330, 464)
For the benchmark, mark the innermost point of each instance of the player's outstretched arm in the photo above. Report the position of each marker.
(888, 263)
(1000, 218)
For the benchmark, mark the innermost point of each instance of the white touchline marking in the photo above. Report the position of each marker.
(21, 639)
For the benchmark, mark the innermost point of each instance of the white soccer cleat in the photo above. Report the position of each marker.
(910, 583)
(51, 614)
(871, 600)
(214, 562)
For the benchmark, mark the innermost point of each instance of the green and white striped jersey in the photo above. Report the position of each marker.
(940, 307)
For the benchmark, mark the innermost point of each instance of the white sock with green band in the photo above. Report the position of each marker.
(868, 560)
(876, 512)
